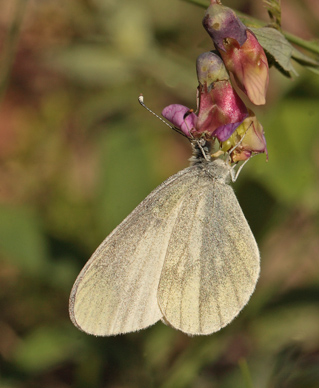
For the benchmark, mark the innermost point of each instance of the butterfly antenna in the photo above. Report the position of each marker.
(191, 138)
(141, 101)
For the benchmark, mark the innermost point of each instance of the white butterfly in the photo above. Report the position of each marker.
(185, 255)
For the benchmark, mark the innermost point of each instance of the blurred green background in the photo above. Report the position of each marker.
(78, 153)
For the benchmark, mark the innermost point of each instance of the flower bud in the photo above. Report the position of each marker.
(221, 23)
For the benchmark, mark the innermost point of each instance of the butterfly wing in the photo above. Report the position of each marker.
(116, 292)
(212, 266)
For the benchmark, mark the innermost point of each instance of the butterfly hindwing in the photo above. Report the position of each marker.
(211, 269)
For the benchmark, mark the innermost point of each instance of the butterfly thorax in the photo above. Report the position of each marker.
(215, 168)
(201, 151)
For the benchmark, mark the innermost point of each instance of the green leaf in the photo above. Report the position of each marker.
(277, 46)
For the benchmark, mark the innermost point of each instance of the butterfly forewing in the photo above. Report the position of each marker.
(116, 292)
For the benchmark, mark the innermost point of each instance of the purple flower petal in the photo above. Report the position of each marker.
(225, 131)
(175, 113)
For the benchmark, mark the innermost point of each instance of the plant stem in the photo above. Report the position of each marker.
(306, 44)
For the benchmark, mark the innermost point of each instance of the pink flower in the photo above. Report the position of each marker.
(242, 54)
(220, 109)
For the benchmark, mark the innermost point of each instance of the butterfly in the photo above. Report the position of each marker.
(185, 255)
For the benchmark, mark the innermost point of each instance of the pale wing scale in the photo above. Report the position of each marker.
(210, 269)
(116, 292)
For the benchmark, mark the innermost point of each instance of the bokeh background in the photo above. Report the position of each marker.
(78, 153)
